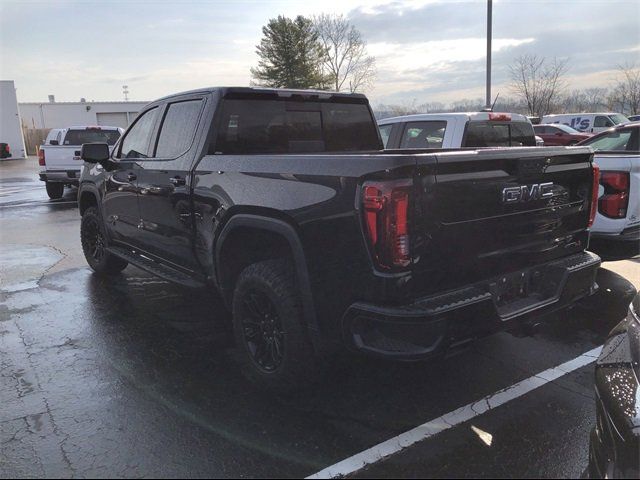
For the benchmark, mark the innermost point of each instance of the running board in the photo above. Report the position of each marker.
(159, 269)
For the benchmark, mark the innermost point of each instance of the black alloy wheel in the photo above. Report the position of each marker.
(93, 240)
(263, 332)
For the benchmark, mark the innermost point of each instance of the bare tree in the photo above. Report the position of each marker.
(537, 81)
(625, 96)
(587, 100)
(346, 61)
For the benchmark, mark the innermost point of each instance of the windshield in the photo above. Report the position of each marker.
(618, 118)
(566, 128)
(494, 134)
(610, 141)
(93, 135)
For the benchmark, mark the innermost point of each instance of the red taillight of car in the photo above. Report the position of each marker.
(615, 201)
(386, 206)
(595, 187)
(41, 161)
(7, 149)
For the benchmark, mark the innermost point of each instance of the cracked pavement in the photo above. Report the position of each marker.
(135, 377)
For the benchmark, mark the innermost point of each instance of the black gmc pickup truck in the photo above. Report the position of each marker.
(285, 203)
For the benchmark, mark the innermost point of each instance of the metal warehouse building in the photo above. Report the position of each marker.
(63, 114)
(38, 118)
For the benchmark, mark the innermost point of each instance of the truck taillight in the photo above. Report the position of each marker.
(595, 187)
(386, 206)
(615, 201)
(41, 161)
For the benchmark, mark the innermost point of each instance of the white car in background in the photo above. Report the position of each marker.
(456, 130)
(587, 122)
(60, 154)
(617, 153)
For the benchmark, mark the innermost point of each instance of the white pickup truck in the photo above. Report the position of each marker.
(617, 224)
(60, 154)
(455, 130)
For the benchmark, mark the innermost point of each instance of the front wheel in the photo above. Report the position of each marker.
(54, 190)
(94, 245)
(271, 338)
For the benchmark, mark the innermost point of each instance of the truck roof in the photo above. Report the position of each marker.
(469, 116)
(85, 127)
(281, 92)
(551, 115)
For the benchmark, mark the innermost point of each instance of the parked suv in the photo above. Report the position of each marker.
(284, 202)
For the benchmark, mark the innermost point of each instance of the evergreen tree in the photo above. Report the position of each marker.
(290, 55)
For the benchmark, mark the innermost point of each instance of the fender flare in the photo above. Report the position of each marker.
(289, 233)
(88, 188)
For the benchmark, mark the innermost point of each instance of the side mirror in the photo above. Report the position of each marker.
(94, 152)
(53, 142)
(558, 134)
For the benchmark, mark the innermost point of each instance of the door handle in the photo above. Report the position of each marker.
(131, 177)
(177, 181)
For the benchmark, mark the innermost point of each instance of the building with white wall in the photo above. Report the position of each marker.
(10, 131)
(54, 114)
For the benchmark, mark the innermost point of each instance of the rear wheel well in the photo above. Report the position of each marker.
(86, 200)
(244, 246)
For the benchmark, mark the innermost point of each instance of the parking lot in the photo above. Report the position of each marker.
(135, 378)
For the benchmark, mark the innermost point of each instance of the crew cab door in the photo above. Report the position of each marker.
(164, 185)
(120, 203)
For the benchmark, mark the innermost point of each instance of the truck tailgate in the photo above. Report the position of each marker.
(62, 157)
(493, 211)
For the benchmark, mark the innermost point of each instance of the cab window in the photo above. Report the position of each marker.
(602, 122)
(385, 133)
(178, 128)
(423, 134)
(136, 143)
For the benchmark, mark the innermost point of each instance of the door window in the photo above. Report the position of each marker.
(602, 121)
(136, 143)
(385, 133)
(178, 128)
(423, 134)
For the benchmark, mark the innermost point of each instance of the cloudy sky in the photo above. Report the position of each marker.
(426, 50)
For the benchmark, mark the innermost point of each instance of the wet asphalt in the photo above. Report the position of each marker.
(135, 377)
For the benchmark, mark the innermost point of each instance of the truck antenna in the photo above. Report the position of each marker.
(494, 102)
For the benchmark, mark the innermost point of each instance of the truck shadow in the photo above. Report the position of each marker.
(178, 344)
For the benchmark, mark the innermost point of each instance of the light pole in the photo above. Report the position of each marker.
(489, 33)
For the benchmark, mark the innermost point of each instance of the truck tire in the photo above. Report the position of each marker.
(54, 190)
(272, 346)
(94, 245)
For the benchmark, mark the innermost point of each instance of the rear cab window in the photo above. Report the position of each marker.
(428, 134)
(91, 135)
(499, 134)
(261, 124)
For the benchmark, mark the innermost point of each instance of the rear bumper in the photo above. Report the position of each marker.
(68, 177)
(433, 324)
(631, 234)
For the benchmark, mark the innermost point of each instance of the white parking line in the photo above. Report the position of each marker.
(451, 419)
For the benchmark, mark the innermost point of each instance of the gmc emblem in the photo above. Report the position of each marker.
(527, 193)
